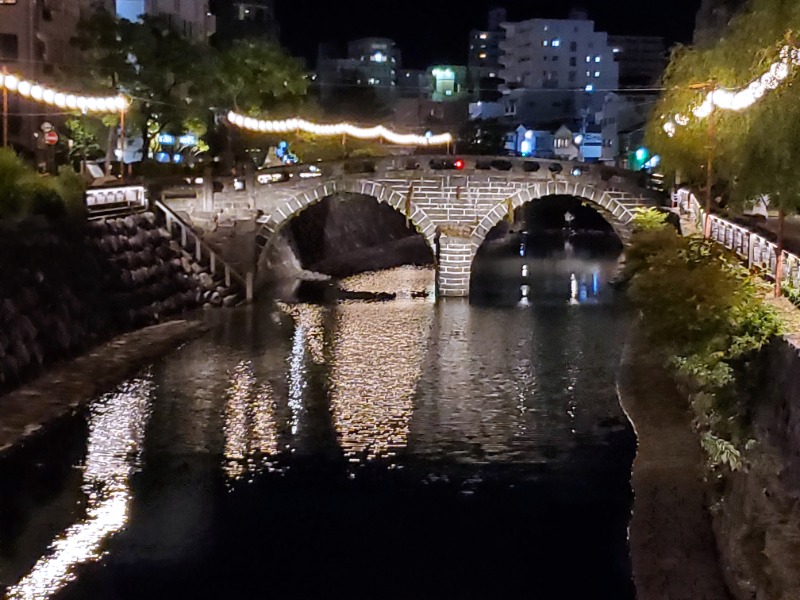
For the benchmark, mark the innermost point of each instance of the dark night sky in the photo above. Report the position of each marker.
(431, 31)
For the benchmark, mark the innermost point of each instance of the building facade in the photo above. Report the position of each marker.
(193, 18)
(641, 59)
(483, 63)
(372, 63)
(35, 43)
(248, 19)
(557, 54)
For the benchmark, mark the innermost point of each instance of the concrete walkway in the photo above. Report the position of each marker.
(673, 549)
(67, 386)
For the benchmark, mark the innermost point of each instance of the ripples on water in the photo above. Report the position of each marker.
(402, 449)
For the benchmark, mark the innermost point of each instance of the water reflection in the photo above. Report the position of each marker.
(383, 342)
(251, 429)
(116, 433)
(466, 422)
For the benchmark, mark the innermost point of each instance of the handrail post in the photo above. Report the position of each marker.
(184, 240)
(213, 262)
(198, 249)
(249, 286)
(227, 276)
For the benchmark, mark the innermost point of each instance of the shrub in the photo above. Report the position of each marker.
(705, 311)
(24, 193)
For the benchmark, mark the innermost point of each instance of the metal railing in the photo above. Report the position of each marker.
(192, 242)
(754, 249)
(102, 202)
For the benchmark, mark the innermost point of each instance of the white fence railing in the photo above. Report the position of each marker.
(756, 250)
(115, 201)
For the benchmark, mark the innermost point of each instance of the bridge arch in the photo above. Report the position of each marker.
(607, 202)
(297, 201)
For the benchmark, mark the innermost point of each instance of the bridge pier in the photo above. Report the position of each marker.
(454, 266)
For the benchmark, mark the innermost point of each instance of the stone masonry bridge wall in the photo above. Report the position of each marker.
(453, 210)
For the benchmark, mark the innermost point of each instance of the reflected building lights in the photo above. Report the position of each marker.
(297, 375)
(378, 342)
(573, 289)
(250, 426)
(116, 433)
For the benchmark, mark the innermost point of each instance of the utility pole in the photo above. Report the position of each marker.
(5, 111)
(712, 86)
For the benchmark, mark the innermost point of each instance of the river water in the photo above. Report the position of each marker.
(402, 449)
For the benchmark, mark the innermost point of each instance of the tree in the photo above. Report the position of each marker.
(748, 47)
(148, 60)
(767, 164)
(257, 78)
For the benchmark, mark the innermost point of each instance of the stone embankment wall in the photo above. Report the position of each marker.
(757, 513)
(63, 289)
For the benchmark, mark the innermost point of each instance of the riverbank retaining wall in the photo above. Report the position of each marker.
(757, 510)
(65, 288)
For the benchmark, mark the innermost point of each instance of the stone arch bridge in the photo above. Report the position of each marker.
(454, 209)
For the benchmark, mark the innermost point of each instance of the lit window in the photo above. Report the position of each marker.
(597, 59)
(483, 36)
(588, 73)
(556, 43)
(588, 59)
(597, 73)
(482, 55)
(545, 43)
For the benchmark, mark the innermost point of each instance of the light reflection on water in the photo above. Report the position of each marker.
(116, 433)
(449, 385)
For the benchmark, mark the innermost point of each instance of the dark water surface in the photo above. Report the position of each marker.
(402, 449)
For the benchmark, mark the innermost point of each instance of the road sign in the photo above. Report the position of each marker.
(51, 138)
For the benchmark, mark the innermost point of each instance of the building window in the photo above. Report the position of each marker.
(9, 47)
(597, 73)
(555, 58)
(588, 73)
(572, 61)
(597, 58)
(545, 42)
(573, 46)
(588, 59)
(556, 43)
(572, 75)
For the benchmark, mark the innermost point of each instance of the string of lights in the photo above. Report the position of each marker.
(62, 99)
(338, 129)
(742, 98)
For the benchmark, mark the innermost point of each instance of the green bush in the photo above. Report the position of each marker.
(25, 193)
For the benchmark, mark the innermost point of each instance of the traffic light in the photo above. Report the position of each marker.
(459, 164)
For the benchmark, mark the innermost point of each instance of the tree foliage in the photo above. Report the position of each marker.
(745, 51)
(175, 81)
(23, 192)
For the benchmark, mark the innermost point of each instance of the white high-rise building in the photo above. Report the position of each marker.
(564, 66)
